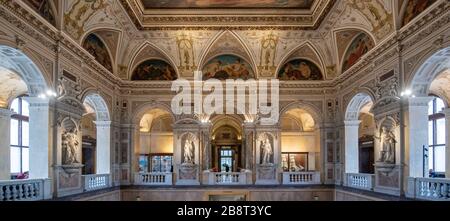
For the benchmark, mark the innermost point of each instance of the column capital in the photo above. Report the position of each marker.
(37, 101)
(419, 101)
(446, 111)
(352, 122)
(6, 112)
(102, 123)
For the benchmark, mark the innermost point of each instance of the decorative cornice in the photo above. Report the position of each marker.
(294, 21)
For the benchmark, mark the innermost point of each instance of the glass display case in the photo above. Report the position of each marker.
(161, 163)
(294, 162)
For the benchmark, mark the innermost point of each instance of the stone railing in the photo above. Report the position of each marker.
(154, 178)
(432, 188)
(25, 190)
(96, 181)
(301, 178)
(226, 178)
(363, 181)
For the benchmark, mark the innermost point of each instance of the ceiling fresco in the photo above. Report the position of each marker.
(297, 4)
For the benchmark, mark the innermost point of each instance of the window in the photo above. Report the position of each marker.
(161, 163)
(436, 135)
(19, 137)
(294, 162)
(226, 159)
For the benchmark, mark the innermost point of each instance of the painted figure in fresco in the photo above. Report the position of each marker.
(360, 46)
(188, 152)
(294, 166)
(96, 48)
(266, 149)
(154, 70)
(227, 67)
(300, 69)
(387, 141)
(414, 8)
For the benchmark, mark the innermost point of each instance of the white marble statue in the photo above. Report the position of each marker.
(69, 146)
(188, 152)
(266, 149)
(387, 141)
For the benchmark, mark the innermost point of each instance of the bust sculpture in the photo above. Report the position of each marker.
(188, 152)
(266, 149)
(387, 141)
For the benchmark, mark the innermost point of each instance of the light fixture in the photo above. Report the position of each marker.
(407, 93)
(48, 94)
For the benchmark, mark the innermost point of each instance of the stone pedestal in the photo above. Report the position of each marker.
(188, 174)
(387, 178)
(5, 149)
(266, 174)
(68, 180)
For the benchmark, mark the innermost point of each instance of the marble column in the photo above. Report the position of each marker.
(447, 142)
(351, 146)
(249, 138)
(5, 149)
(39, 137)
(103, 148)
(205, 145)
(418, 134)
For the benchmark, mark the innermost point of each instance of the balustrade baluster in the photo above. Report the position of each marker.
(2, 193)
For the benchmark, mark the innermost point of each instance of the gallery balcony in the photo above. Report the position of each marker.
(436, 189)
(362, 181)
(153, 178)
(25, 190)
(301, 178)
(227, 178)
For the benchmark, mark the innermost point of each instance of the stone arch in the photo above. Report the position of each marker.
(236, 46)
(312, 110)
(355, 105)
(427, 68)
(143, 108)
(101, 108)
(18, 62)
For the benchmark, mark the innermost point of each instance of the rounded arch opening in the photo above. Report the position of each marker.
(360, 135)
(96, 135)
(154, 146)
(300, 140)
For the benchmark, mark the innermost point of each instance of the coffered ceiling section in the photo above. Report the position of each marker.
(258, 14)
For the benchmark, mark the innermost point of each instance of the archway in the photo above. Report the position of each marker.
(227, 151)
(429, 81)
(20, 77)
(154, 146)
(300, 141)
(359, 135)
(96, 131)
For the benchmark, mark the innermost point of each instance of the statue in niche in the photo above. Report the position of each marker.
(387, 141)
(267, 152)
(188, 152)
(70, 146)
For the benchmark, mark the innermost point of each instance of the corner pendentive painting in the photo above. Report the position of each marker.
(359, 46)
(44, 8)
(227, 67)
(154, 70)
(414, 8)
(299, 70)
(97, 48)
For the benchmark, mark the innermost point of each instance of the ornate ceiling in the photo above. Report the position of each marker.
(292, 14)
